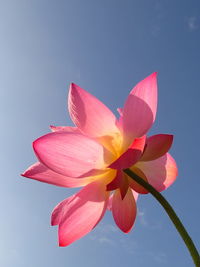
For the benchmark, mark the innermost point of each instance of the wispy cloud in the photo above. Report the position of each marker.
(107, 228)
(130, 246)
(193, 23)
(159, 257)
(142, 218)
(153, 225)
(106, 240)
(102, 234)
(10, 256)
(158, 18)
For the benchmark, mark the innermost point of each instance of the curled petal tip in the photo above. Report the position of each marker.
(26, 173)
(73, 86)
(171, 138)
(61, 244)
(153, 74)
(34, 145)
(52, 128)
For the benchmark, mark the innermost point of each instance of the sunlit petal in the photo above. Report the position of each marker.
(157, 146)
(124, 210)
(41, 173)
(160, 173)
(89, 114)
(140, 108)
(82, 213)
(70, 154)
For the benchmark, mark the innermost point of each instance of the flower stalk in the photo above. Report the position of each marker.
(171, 213)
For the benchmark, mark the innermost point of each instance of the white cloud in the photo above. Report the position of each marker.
(142, 218)
(10, 256)
(193, 23)
(158, 17)
(159, 257)
(153, 225)
(106, 240)
(109, 228)
(106, 228)
(103, 234)
(130, 246)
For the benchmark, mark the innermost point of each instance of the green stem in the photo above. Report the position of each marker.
(171, 213)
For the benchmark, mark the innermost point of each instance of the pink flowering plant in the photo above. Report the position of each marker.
(112, 158)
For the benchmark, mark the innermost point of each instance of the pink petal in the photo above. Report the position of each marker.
(121, 182)
(131, 156)
(160, 173)
(124, 211)
(119, 122)
(140, 108)
(109, 207)
(82, 213)
(157, 146)
(116, 182)
(64, 128)
(135, 194)
(89, 114)
(120, 111)
(41, 173)
(134, 185)
(70, 154)
(60, 210)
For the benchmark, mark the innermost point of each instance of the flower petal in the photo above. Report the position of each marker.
(134, 185)
(64, 128)
(41, 173)
(119, 121)
(82, 213)
(121, 182)
(60, 210)
(135, 195)
(109, 206)
(70, 154)
(157, 146)
(140, 108)
(160, 173)
(89, 114)
(124, 211)
(131, 156)
(120, 111)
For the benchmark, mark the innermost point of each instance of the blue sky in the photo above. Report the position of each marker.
(105, 47)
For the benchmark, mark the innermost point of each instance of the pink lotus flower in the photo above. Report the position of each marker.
(94, 153)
